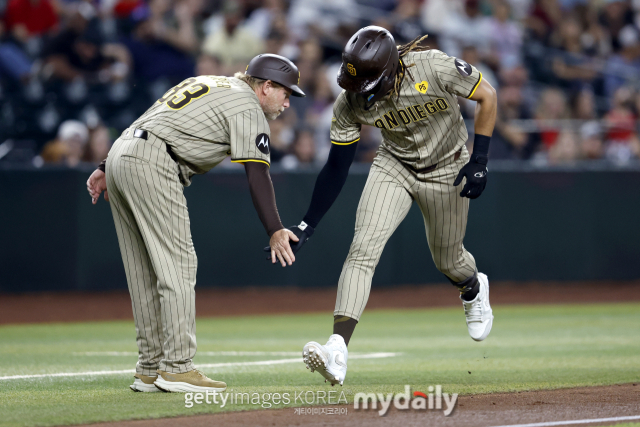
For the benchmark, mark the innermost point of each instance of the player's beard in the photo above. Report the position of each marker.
(272, 109)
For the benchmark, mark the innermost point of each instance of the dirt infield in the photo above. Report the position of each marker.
(472, 411)
(84, 306)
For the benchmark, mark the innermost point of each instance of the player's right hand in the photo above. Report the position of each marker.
(96, 184)
(302, 232)
(280, 247)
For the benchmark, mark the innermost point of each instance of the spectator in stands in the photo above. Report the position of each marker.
(437, 13)
(616, 14)
(68, 148)
(571, 66)
(78, 52)
(505, 36)
(232, 43)
(591, 144)
(406, 24)
(595, 39)
(466, 28)
(174, 23)
(25, 23)
(14, 62)
(282, 136)
(551, 108)
(544, 18)
(624, 67)
(98, 146)
(622, 142)
(590, 130)
(321, 18)
(28, 18)
(208, 66)
(509, 138)
(303, 151)
(566, 148)
(261, 20)
(153, 57)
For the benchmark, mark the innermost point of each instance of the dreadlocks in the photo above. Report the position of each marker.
(403, 70)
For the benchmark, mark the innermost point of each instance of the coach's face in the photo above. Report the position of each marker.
(274, 99)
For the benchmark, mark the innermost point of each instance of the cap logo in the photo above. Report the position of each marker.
(351, 69)
(422, 87)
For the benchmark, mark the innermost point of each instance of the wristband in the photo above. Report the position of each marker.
(481, 149)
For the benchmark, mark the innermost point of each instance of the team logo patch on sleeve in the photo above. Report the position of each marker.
(463, 68)
(263, 142)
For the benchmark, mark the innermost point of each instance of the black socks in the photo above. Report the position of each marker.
(468, 288)
(344, 326)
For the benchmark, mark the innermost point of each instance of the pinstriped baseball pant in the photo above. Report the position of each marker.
(388, 195)
(152, 222)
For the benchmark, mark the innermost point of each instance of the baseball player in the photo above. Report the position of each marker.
(188, 131)
(410, 93)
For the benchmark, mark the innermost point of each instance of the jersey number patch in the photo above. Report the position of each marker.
(180, 96)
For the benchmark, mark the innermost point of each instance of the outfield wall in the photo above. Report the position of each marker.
(528, 225)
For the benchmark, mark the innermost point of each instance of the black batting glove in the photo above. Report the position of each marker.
(302, 232)
(476, 174)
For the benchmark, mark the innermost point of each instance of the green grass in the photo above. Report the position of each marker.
(530, 347)
(624, 425)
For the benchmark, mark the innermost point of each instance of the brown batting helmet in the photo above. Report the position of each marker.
(278, 69)
(369, 63)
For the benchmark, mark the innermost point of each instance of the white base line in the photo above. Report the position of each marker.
(562, 423)
(204, 365)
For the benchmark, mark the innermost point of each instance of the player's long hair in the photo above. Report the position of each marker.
(403, 69)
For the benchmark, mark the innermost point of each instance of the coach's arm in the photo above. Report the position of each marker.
(264, 201)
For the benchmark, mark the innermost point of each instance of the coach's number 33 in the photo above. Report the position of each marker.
(180, 96)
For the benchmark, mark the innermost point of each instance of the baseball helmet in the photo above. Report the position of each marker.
(369, 63)
(278, 69)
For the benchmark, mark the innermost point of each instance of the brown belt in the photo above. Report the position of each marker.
(432, 167)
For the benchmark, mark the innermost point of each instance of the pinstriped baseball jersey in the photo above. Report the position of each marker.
(204, 119)
(424, 126)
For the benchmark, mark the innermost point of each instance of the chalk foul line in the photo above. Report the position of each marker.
(200, 365)
(587, 421)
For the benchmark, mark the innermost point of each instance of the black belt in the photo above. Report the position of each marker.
(143, 134)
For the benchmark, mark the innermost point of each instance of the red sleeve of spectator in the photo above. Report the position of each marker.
(50, 20)
(38, 19)
(12, 14)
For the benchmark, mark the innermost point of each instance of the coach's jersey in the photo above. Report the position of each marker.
(207, 118)
(424, 126)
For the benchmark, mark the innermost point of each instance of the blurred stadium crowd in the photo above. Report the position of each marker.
(74, 74)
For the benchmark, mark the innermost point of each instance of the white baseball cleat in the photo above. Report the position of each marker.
(329, 359)
(478, 311)
(144, 383)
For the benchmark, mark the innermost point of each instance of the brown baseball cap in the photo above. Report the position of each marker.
(276, 68)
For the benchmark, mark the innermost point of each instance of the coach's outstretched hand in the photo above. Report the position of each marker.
(302, 232)
(279, 247)
(476, 174)
(96, 184)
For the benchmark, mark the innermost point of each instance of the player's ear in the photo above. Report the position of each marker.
(267, 87)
